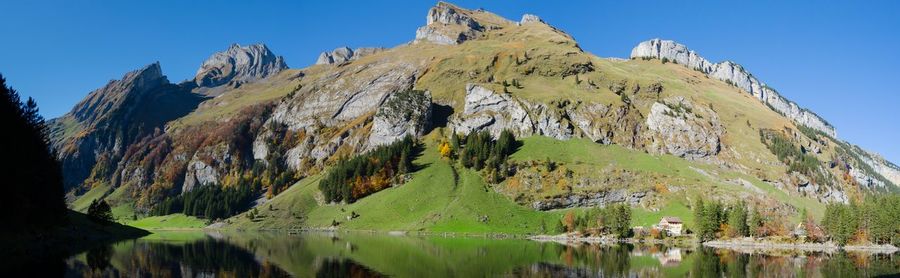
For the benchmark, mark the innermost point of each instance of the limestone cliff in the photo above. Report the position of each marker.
(734, 74)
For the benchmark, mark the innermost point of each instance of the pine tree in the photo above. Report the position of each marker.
(756, 222)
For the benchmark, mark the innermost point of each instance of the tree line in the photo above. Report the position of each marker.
(714, 220)
(876, 219)
(210, 201)
(32, 189)
(613, 220)
(367, 173)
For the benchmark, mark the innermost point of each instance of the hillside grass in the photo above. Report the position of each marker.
(176, 221)
(82, 203)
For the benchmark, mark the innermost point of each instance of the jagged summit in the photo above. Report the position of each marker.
(734, 74)
(98, 103)
(448, 24)
(238, 65)
(345, 54)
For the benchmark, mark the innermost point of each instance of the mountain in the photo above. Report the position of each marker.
(238, 65)
(654, 131)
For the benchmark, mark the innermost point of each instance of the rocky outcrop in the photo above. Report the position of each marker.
(529, 18)
(238, 65)
(332, 112)
(403, 113)
(345, 54)
(735, 75)
(678, 127)
(485, 109)
(597, 199)
(448, 24)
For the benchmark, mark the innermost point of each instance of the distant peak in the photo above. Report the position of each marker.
(239, 64)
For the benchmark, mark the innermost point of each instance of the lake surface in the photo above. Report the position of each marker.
(198, 254)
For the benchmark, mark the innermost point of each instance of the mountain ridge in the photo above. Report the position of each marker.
(269, 126)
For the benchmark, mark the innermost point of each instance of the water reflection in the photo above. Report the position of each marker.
(198, 257)
(367, 255)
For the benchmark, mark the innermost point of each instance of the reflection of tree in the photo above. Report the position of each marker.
(344, 268)
(840, 265)
(706, 263)
(98, 258)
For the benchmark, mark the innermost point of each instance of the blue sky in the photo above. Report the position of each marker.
(837, 58)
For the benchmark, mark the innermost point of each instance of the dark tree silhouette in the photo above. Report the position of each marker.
(32, 188)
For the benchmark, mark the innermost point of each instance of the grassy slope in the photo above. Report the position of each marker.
(431, 201)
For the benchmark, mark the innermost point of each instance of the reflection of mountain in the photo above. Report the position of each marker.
(367, 255)
(344, 268)
(207, 257)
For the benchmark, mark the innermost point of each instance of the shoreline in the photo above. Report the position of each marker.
(828, 247)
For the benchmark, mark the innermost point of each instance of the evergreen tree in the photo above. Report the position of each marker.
(737, 219)
(32, 188)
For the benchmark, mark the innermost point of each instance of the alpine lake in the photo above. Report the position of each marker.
(354, 254)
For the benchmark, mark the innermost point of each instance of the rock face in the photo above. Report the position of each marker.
(487, 110)
(598, 199)
(678, 127)
(403, 113)
(238, 65)
(98, 103)
(331, 111)
(734, 74)
(448, 24)
(345, 54)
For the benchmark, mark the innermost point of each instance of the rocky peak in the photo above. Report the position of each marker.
(345, 54)
(733, 74)
(238, 65)
(99, 102)
(528, 18)
(446, 13)
(448, 24)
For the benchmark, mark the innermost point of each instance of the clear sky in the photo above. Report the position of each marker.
(838, 58)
